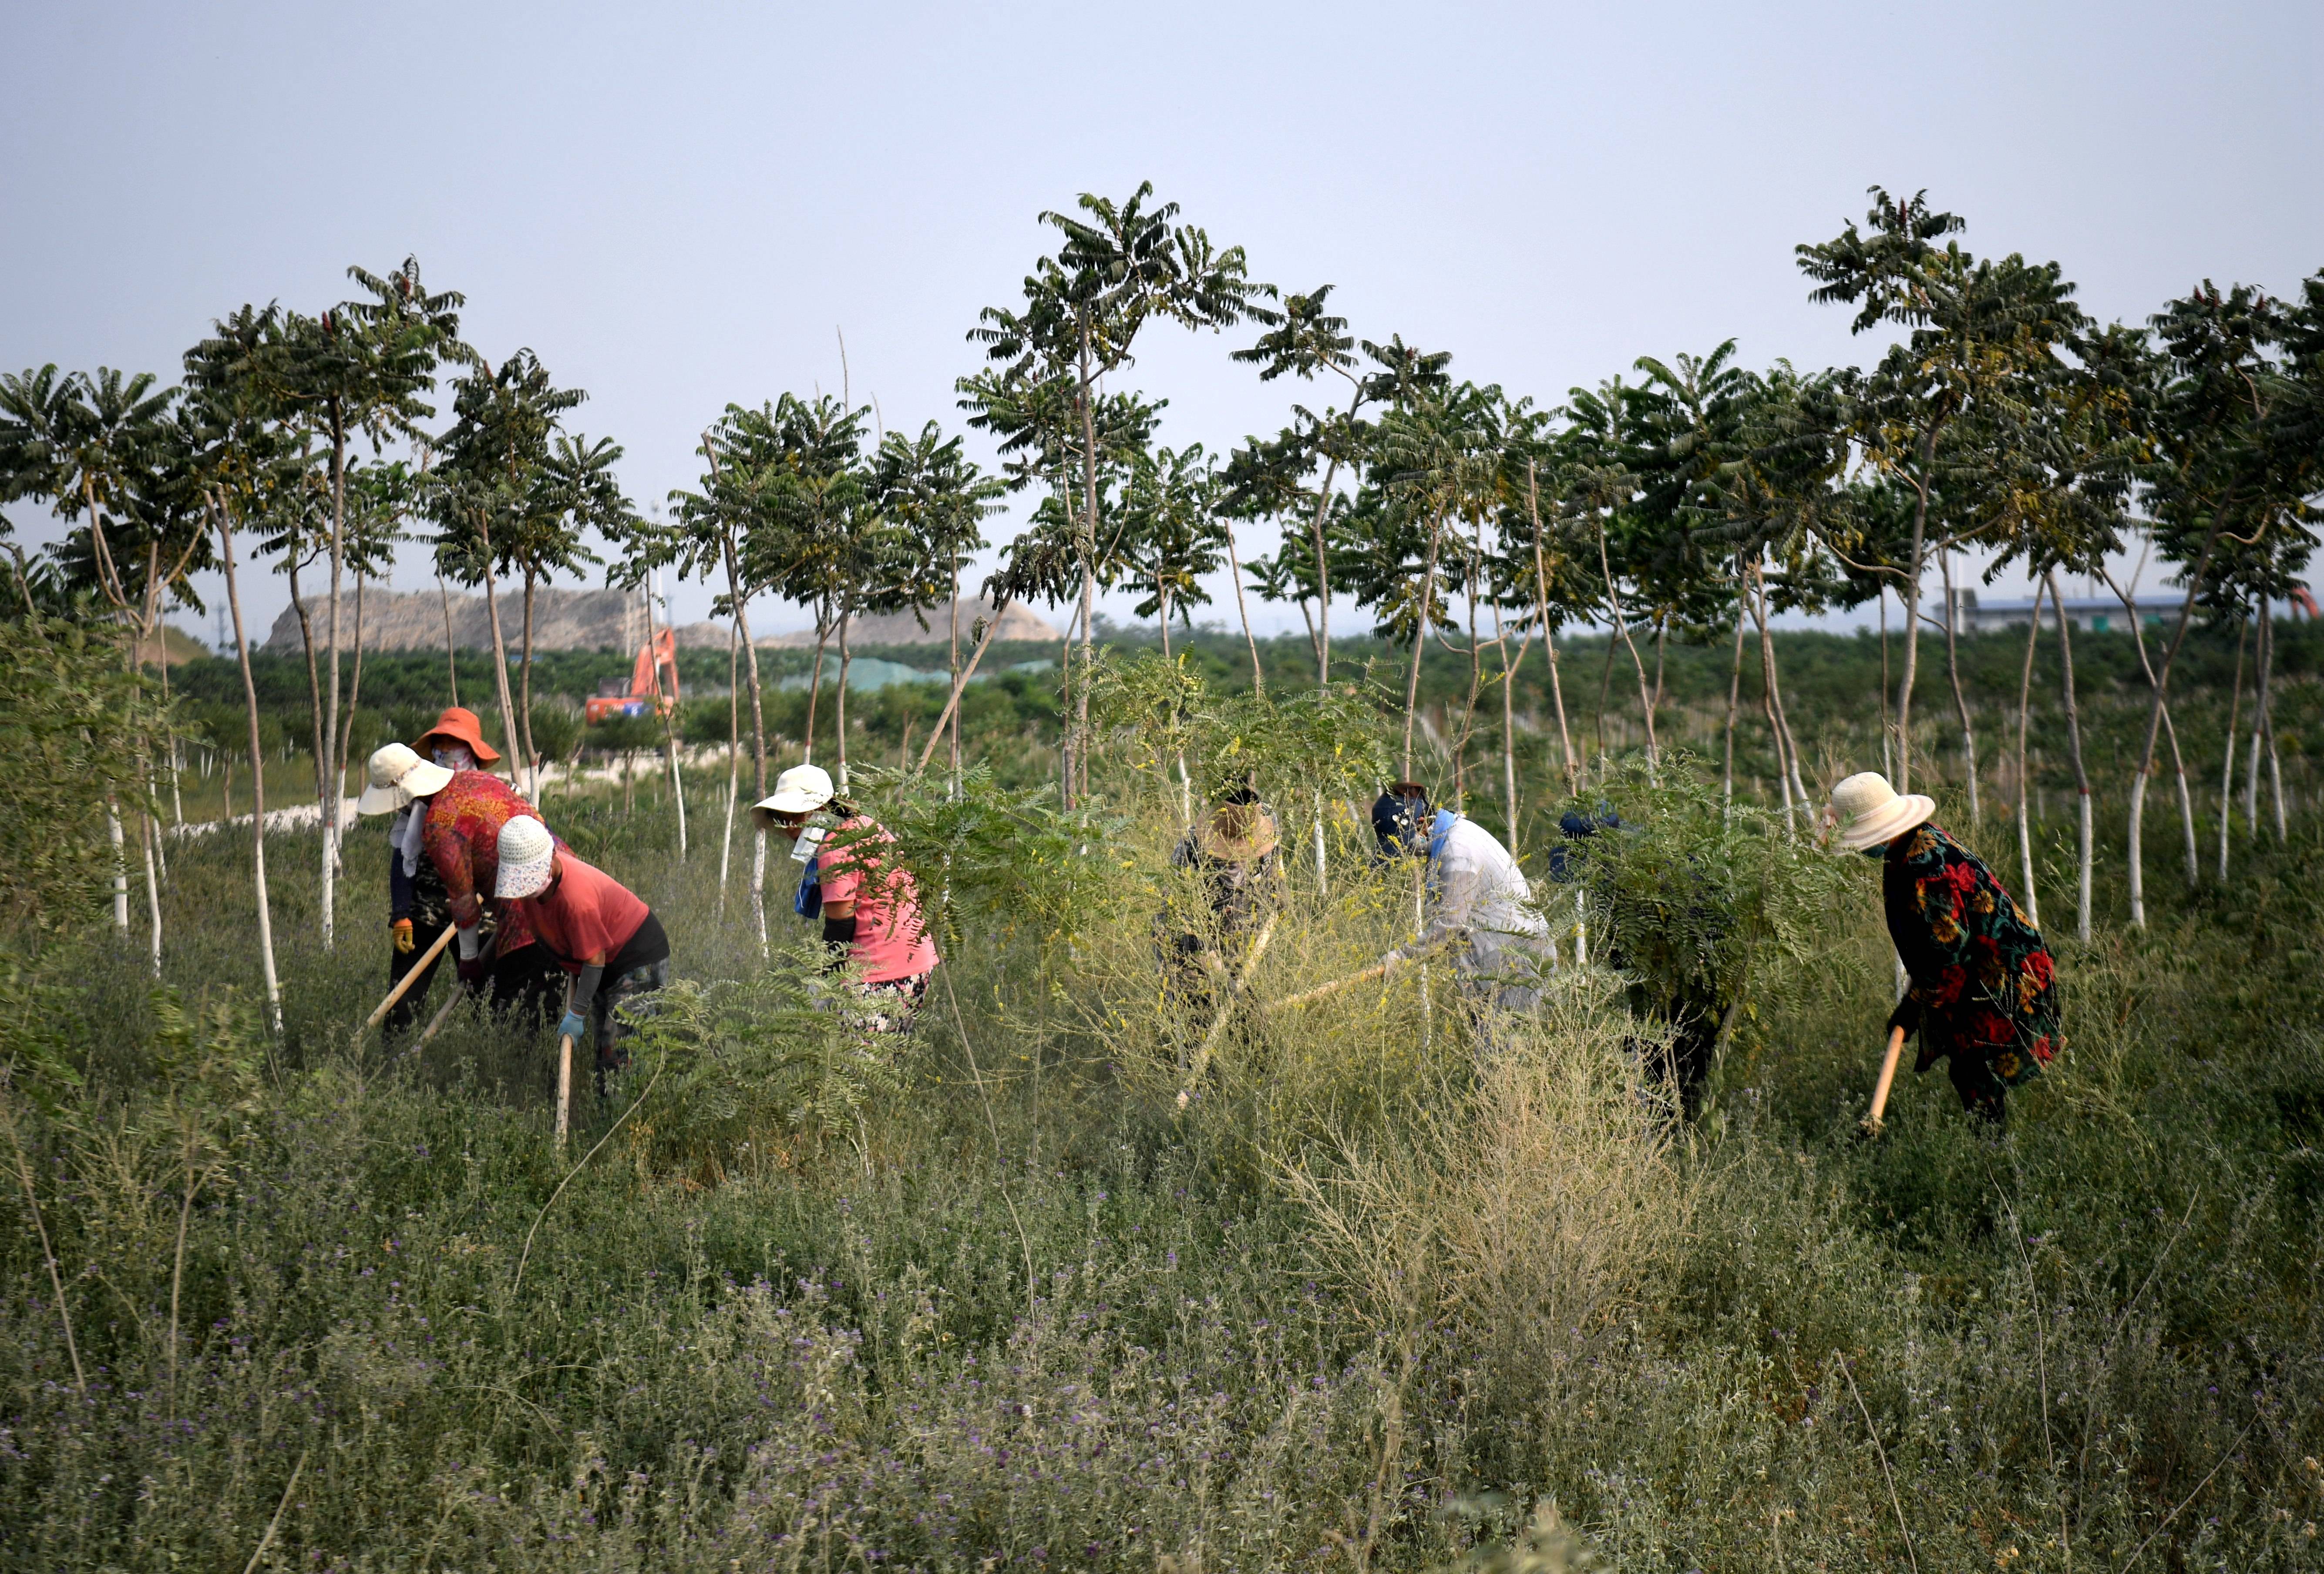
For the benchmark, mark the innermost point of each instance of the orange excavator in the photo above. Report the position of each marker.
(646, 695)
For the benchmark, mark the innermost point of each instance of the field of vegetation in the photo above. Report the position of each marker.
(1393, 1284)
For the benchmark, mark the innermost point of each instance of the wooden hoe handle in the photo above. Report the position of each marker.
(418, 971)
(1887, 1077)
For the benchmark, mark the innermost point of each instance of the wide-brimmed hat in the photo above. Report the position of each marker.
(459, 725)
(528, 855)
(800, 791)
(1868, 811)
(398, 776)
(1238, 833)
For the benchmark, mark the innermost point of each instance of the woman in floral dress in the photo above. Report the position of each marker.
(1984, 991)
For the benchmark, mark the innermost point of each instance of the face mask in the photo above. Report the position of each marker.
(454, 756)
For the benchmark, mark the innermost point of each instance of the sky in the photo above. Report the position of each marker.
(679, 206)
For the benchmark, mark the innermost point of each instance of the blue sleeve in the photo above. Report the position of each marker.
(401, 903)
(808, 902)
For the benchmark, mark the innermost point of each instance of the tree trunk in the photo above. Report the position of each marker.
(2170, 731)
(354, 687)
(951, 701)
(757, 738)
(1548, 631)
(451, 659)
(1322, 585)
(524, 679)
(2154, 712)
(733, 762)
(2227, 766)
(815, 681)
(1734, 699)
(2263, 701)
(331, 772)
(2082, 777)
(2024, 782)
(1912, 614)
(839, 700)
(1621, 628)
(1419, 634)
(1768, 700)
(667, 712)
(1887, 734)
(509, 733)
(1234, 566)
(1790, 754)
(1509, 724)
(257, 778)
(955, 792)
(1089, 571)
(1960, 700)
(314, 676)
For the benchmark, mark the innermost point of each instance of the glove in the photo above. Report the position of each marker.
(401, 929)
(572, 1026)
(1907, 1016)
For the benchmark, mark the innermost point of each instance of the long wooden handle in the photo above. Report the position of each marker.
(564, 1086)
(1378, 970)
(1226, 1009)
(418, 971)
(491, 950)
(1887, 1076)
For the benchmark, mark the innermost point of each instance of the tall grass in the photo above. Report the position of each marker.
(1387, 1289)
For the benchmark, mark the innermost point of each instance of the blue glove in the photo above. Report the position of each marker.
(572, 1028)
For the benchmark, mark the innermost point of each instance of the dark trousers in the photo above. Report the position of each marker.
(400, 963)
(1982, 1092)
(527, 983)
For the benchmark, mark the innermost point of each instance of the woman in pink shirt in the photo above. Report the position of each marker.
(605, 938)
(871, 910)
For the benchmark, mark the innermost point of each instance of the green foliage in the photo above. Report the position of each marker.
(1695, 896)
(71, 720)
(784, 1051)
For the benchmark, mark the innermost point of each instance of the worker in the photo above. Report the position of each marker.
(1984, 991)
(1238, 885)
(607, 941)
(461, 838)
(1477, 901)
(419, 907)
(869, 909)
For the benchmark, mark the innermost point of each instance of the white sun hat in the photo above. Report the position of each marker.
(528, 854)
(800, 791)
(398, 776)
(1870, 812)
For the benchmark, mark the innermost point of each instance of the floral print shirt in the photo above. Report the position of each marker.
(1982, 983)
(462, 842)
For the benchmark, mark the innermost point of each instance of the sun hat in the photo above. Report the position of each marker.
(398, 776)
(528, 854)
(800, 791)
(459, 725)
(1238, 832)
(1870, 812)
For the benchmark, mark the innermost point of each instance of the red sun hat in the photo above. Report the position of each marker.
(459, 725)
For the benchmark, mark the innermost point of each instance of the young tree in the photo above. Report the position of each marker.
(1974, 331)
(930, 487)
(1118, 268)
(487, 483)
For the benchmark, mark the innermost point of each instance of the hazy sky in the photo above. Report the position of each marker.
(679, 206)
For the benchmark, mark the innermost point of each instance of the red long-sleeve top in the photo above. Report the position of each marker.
(463, 840)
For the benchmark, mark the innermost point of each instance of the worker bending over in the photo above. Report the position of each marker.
(461, 837)
(419, 907)
(869, 909)
(607, 940)
(1984, 994)
(1476, 900)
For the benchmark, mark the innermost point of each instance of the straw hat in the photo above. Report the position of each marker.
(1238, 833)
(1870, 812)
(398, 776)
(528, 854)
(459, 725)
(800, 791)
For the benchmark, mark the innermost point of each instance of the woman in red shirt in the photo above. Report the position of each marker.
(871, 908)
(607, 940)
